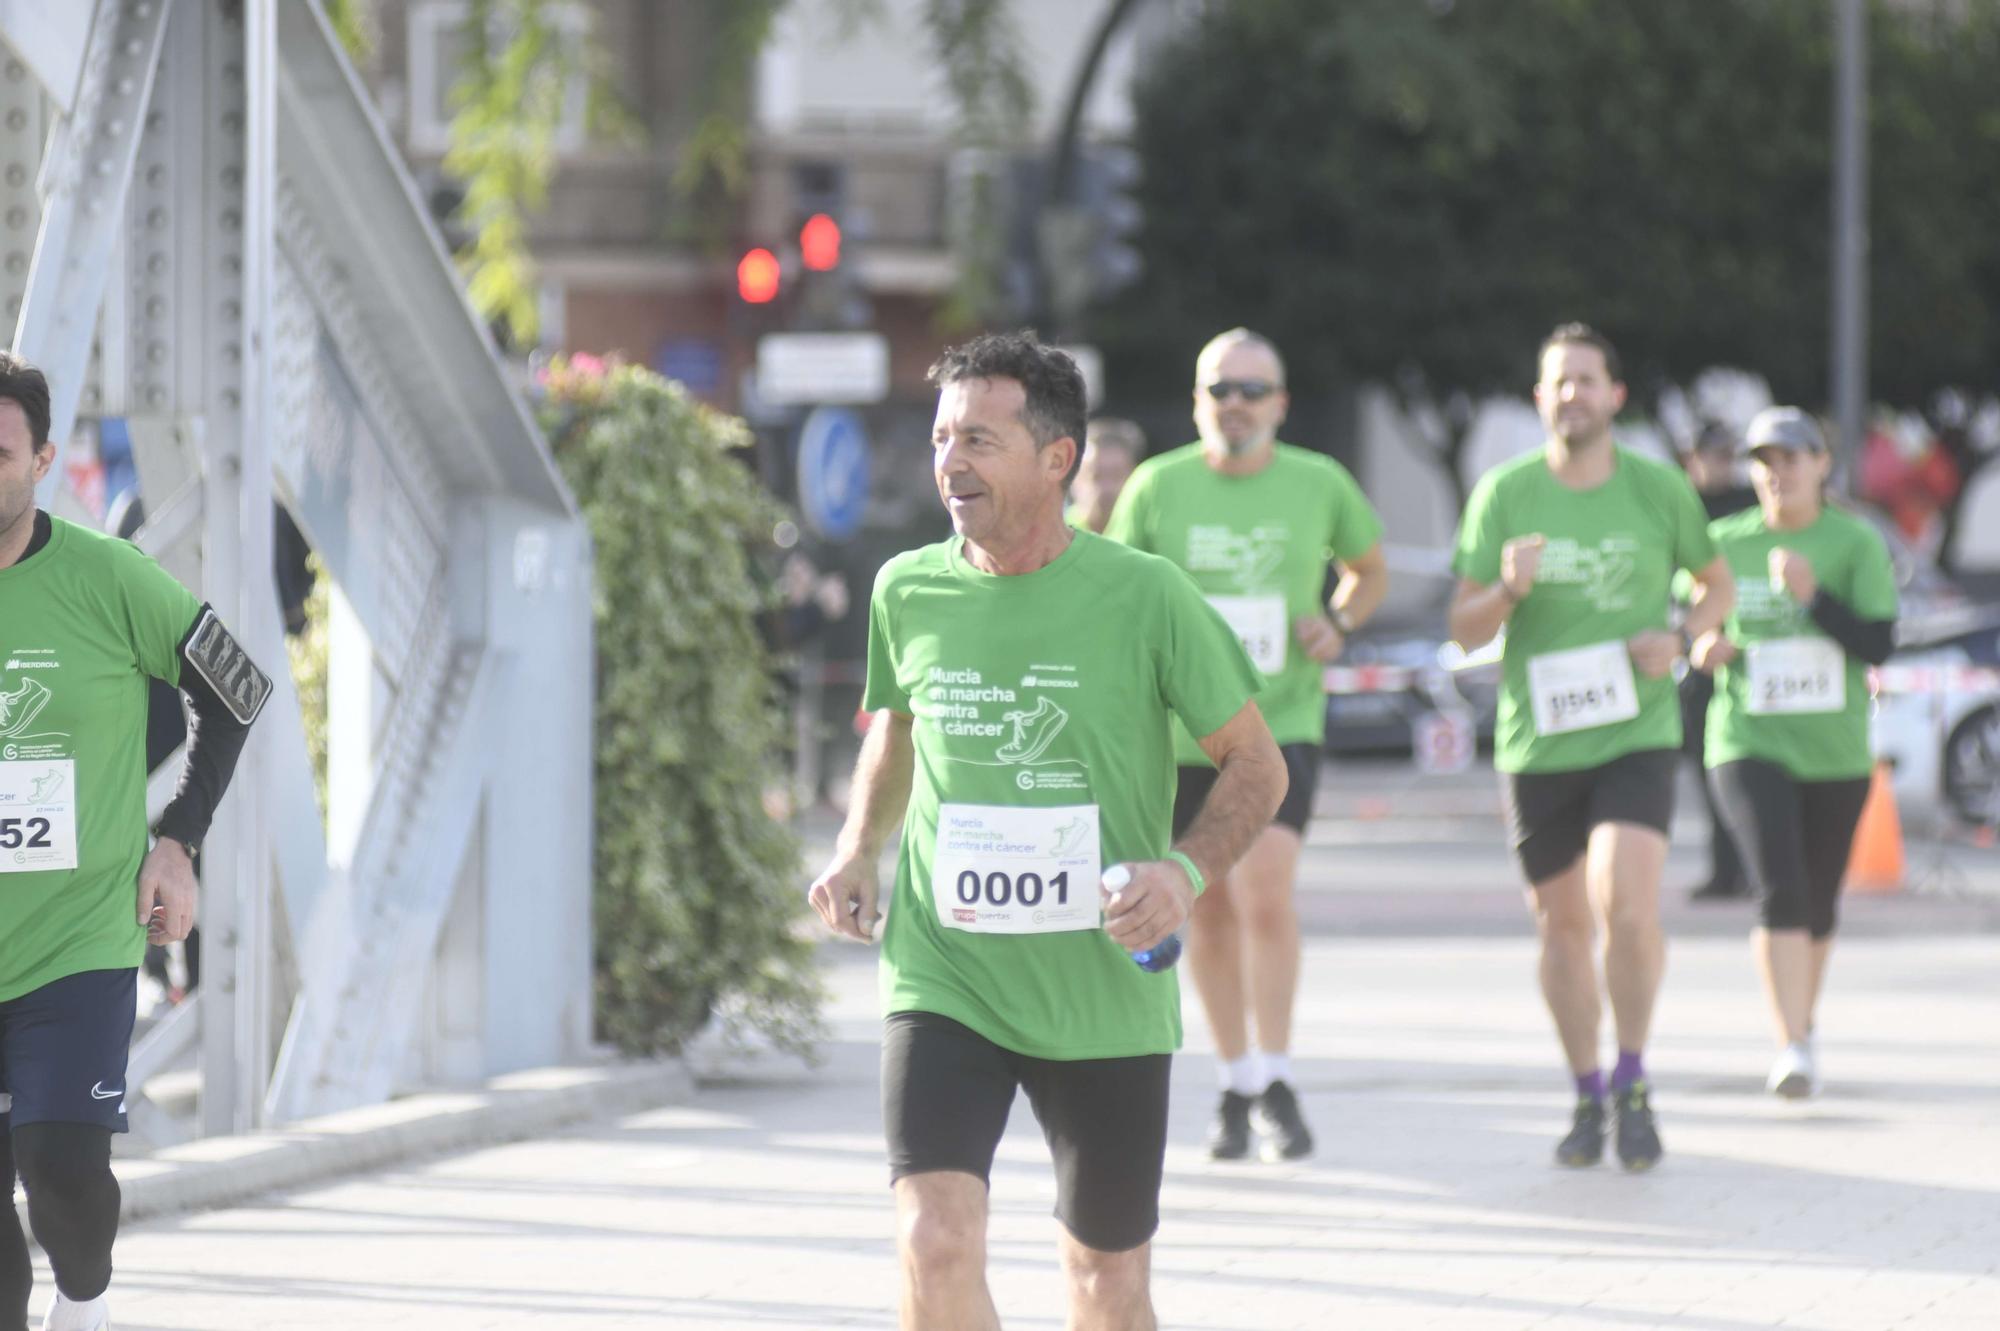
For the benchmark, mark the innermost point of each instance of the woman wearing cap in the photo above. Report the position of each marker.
(1787, 734)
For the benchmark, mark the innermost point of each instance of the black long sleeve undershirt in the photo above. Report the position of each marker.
(214, 743)
(1869, 640)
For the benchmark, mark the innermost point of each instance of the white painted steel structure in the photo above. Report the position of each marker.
(205, 230)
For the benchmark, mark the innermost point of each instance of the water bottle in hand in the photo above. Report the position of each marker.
(1163, 954)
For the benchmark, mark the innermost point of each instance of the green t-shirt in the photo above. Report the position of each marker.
(1258, 547)
(1810, 698)
(1043, 756)
(83, 622)
(1568, 698)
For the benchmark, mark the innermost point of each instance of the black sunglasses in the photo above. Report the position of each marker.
(1250, 390)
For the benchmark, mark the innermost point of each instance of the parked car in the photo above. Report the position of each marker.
(1381, 687)
(1937, 716)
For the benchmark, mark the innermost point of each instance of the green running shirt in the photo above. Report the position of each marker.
(1793, 697)
(1258, 547)
(1605, 575)
(1043, 755)
(83, 622)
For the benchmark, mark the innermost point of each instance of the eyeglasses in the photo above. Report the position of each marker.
(1250, 390)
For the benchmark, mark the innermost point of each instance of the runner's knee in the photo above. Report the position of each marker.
(63, 1160)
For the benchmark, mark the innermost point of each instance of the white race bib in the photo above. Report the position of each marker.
(1006, 870)
(37, 815)
(1259, 623)
(1582, 688)
(1796, 676)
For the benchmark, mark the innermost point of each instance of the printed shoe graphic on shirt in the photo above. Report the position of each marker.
(21, 706)
(1032, 732)
(1070, 838)
(46, 786)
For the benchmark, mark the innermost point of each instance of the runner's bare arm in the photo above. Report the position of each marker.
(1364, 581)
(845, 894)
(1478, 609)
(1249, 786)
(1713, 597)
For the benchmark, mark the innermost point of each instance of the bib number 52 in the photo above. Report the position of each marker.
(24, 834)
(999, 888)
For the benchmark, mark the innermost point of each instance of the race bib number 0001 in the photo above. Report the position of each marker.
(999, 869)
(1259, 624)
(37, 815)
(1582, 688)
(1796, 676)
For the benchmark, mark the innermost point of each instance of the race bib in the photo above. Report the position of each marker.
(1259, 623)
(1796, 676)
(1582, 688)
(1006, 870)
(37, 815)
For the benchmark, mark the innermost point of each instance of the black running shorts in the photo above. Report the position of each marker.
(946, 1091)
(1301, 765)
(1552, 813)
(63, 1047)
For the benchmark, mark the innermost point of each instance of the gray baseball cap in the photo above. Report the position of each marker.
(1783, 427)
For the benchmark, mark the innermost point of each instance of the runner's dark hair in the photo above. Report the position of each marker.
(23, 384)
(1583, 335)
(1055, 407)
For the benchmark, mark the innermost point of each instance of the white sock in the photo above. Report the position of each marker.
(66, 1315)
(1276, 1067)
(1239, 1074)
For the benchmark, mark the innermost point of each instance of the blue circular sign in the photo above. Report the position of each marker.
(833, 472)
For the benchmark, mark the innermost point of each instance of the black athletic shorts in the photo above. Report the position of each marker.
(946, 1091)
(1552, 813)
(63, 1048)
(1301, 765)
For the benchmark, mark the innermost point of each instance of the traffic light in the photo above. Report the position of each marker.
(819, 243)
(758, 277)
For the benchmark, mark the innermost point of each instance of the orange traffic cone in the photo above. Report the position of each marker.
(1876, 862)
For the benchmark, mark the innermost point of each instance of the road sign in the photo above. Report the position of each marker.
(816, 369)
(833, 472)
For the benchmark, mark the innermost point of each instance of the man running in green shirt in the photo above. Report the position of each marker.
(85, 619)
(1023, 676)
(1787, 746)
(1256, 522)
(1574, 550)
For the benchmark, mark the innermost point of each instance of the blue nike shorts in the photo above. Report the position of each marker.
(63, 1048)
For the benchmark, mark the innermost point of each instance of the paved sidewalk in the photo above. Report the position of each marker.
(1432, 1078)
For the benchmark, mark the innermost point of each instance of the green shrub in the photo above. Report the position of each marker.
(697, 890)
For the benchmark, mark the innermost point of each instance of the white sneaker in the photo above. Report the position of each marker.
(65, 1315)
(1792, 1076)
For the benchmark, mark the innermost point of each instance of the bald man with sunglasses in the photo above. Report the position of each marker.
(1255, 523)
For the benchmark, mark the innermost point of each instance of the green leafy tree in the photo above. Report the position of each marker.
(696, 901)
(1413, 194)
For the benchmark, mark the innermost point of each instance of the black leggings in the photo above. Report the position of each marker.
(72, 1203)
(1795, 837)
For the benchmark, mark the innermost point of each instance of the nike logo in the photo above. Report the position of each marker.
(97, 1092)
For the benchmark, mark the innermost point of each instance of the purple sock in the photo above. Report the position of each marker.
(1591, 1085)
(1629, 1069)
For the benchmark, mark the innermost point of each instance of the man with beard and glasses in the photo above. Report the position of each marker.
(1574, 548)
(1257, 523)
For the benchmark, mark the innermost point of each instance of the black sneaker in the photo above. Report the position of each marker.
(1584, 1146)
(1638, 1138)
(1279, 1119)
(1229, 1136)
(1721, 889)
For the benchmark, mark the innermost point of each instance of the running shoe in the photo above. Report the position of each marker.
(1032, 732)
(1286, 1135)
(67, 1315)
(1584, 1146)
(1638, 1136)
(1229, 1136)
(21, 706)
(1793, 1075)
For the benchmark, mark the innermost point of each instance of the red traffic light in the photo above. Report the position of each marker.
(757, 277)
(819, 243)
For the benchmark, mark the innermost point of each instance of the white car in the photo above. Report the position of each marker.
(1937, 717)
